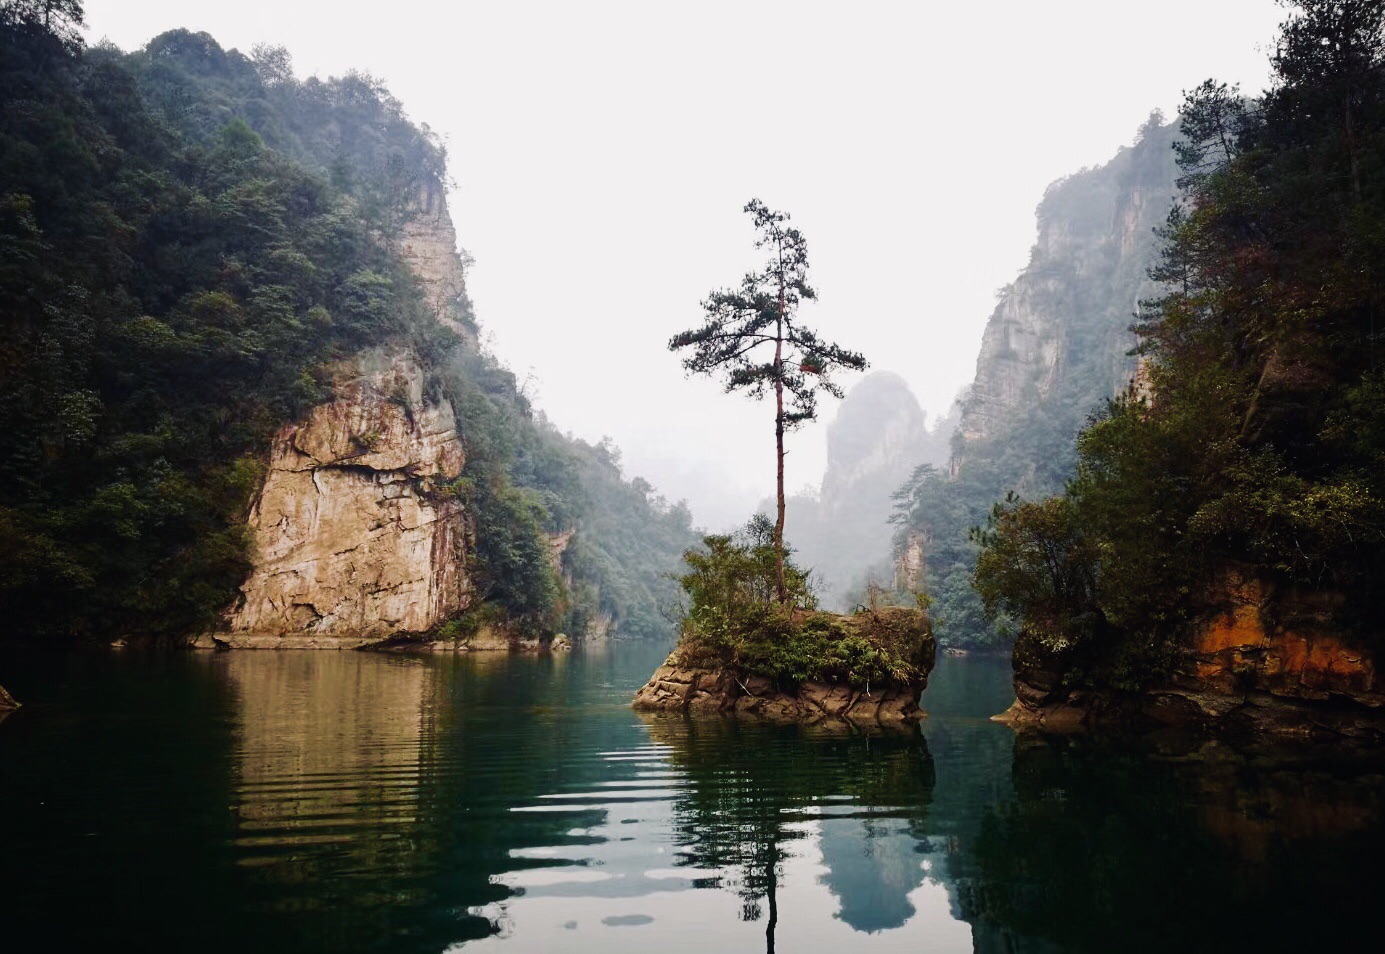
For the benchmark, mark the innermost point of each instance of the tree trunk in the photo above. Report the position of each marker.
(773, 910)
(781, 589)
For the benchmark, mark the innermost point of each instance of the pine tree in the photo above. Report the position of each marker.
(753, 339)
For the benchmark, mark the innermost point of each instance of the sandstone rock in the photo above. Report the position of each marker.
(1271, 664)
(675, 688)
(430, 247)
(354, 539)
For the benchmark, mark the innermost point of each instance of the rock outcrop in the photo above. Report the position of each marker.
(1059, 337)
(676, 687)
(876, 440)
(356, 535)
(1271, 663)
(429, 245)
(689, 681)
(357, 538)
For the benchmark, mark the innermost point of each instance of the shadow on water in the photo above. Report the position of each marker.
(114, 801)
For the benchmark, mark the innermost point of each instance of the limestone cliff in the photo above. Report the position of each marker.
(877, 438)
(1055, 349)
(1268, 662)
(429, 244)
(1060, 332)
(355, 538)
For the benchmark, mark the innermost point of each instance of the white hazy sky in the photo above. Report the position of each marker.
(602, 152)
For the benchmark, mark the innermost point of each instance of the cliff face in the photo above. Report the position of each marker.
(429, 245)
(1272, 662)
(879, 435)
(1055, 349)
(354, 537)
(1060, 331)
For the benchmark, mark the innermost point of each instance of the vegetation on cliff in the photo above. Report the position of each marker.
(1262, 444)
(193, 241)
(1056, 348)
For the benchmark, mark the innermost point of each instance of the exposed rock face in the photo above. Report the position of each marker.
(674, 687)
(1270, 664)
(688, 683)
(355, 538)
(1063, 324)
(430, 248)
(911, 563)
(879, 435)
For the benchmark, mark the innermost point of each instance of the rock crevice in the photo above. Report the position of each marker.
(356, 534)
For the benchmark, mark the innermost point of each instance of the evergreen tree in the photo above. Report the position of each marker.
(753, 338)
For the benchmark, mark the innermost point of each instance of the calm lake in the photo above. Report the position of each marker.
(320, 801)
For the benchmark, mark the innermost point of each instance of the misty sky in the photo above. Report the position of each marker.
(602, 153)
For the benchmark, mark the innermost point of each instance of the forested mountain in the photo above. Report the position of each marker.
(876, 440)
(1226, 529)
(1056, 348)
(215, 277)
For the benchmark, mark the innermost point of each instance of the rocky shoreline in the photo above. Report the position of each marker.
(485, 641)
(674, 687)
(1271, 664)
(701, 676)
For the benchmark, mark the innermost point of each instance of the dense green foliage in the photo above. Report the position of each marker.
(1263, 444)
(735, 620)
(1083, 286)
(620, 556)
(192, 242)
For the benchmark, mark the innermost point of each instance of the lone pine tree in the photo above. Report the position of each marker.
(753, 340)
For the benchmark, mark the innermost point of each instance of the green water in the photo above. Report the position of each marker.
(304, 802)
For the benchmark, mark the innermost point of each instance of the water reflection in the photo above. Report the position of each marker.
(754, 789)
(339, 802)
(1102, 844)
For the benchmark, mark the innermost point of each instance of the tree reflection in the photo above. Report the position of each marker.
(1106, 847)
(752, 789)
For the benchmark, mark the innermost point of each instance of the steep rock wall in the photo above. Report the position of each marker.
(355, 538)
(1062, 325)
(429, 245)
(877, 438)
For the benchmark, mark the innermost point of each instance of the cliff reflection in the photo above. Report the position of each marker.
(328, 745)
(752, 790)
(1104, 847)
(376, 795)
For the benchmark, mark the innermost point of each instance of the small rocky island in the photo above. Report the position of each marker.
(867, 667)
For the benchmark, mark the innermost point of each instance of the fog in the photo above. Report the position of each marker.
(602, 153)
